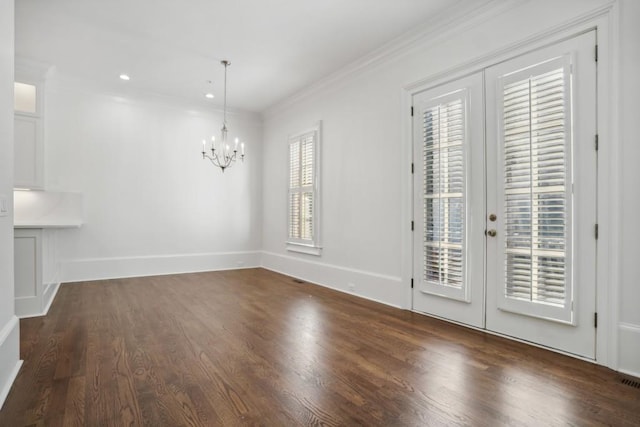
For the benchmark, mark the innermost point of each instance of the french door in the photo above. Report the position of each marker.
(505, 198)
(449, 201)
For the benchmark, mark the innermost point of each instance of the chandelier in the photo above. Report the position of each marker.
(222, 155)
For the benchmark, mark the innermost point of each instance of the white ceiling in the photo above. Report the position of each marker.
(172, 47)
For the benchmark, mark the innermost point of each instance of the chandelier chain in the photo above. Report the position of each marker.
(226, 64)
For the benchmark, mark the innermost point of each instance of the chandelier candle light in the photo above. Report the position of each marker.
(222, 155)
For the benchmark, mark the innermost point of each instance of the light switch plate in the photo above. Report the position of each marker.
(4, 205)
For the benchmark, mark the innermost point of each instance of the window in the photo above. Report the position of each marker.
(304, 199)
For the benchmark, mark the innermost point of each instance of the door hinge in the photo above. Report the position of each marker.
(412, 111)
(595, 320)
(411, 167)
(597, 142)
(411, 225)
(596, 53)
(596, 231)
(412, 283)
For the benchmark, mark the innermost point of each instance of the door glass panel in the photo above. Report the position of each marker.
(443, 164)
(536, 153)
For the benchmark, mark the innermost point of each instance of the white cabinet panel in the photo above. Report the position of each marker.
(25, 98)
(28, 152)
(36, 270)
(26, 268)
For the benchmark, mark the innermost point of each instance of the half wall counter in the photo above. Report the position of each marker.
(38, 218)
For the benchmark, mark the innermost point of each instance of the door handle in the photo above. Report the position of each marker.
(492, 233)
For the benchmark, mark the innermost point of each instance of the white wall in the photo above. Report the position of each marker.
(363, 142)
(360, 187)
(9, 327)
(629, 328)
(151, 204)
(364, 132)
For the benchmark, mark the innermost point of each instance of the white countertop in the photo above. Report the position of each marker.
(46, 224)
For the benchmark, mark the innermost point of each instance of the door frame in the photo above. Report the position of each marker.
(604, 19)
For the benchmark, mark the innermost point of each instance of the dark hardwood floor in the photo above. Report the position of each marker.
(252, 347)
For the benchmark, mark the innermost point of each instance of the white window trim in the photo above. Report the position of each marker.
(314, 247)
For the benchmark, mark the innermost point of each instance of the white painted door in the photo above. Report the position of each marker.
(449, 210)
(541, 187)
(531, 187)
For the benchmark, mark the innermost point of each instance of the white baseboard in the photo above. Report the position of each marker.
(37, 306)
(629, 349)
(48, 295)
(28, 306)
(372, 286)
(9, 356)
(80, 270)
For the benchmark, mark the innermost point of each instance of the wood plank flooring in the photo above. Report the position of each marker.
(252, 347)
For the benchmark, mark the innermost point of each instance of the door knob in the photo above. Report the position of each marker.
(492, 233)
(493, 217)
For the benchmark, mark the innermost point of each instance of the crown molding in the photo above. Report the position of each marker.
(426, 34)
(534, 41)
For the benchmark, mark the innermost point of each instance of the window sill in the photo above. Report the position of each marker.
(304, 249)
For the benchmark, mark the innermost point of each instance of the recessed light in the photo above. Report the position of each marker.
(209, 95)
(125, 77)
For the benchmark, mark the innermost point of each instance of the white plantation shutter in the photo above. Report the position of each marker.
(303, 194)
(307, 216)
(294, 215)
(443, 164)
(536, 162)
(306, 184)
(294, 194)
